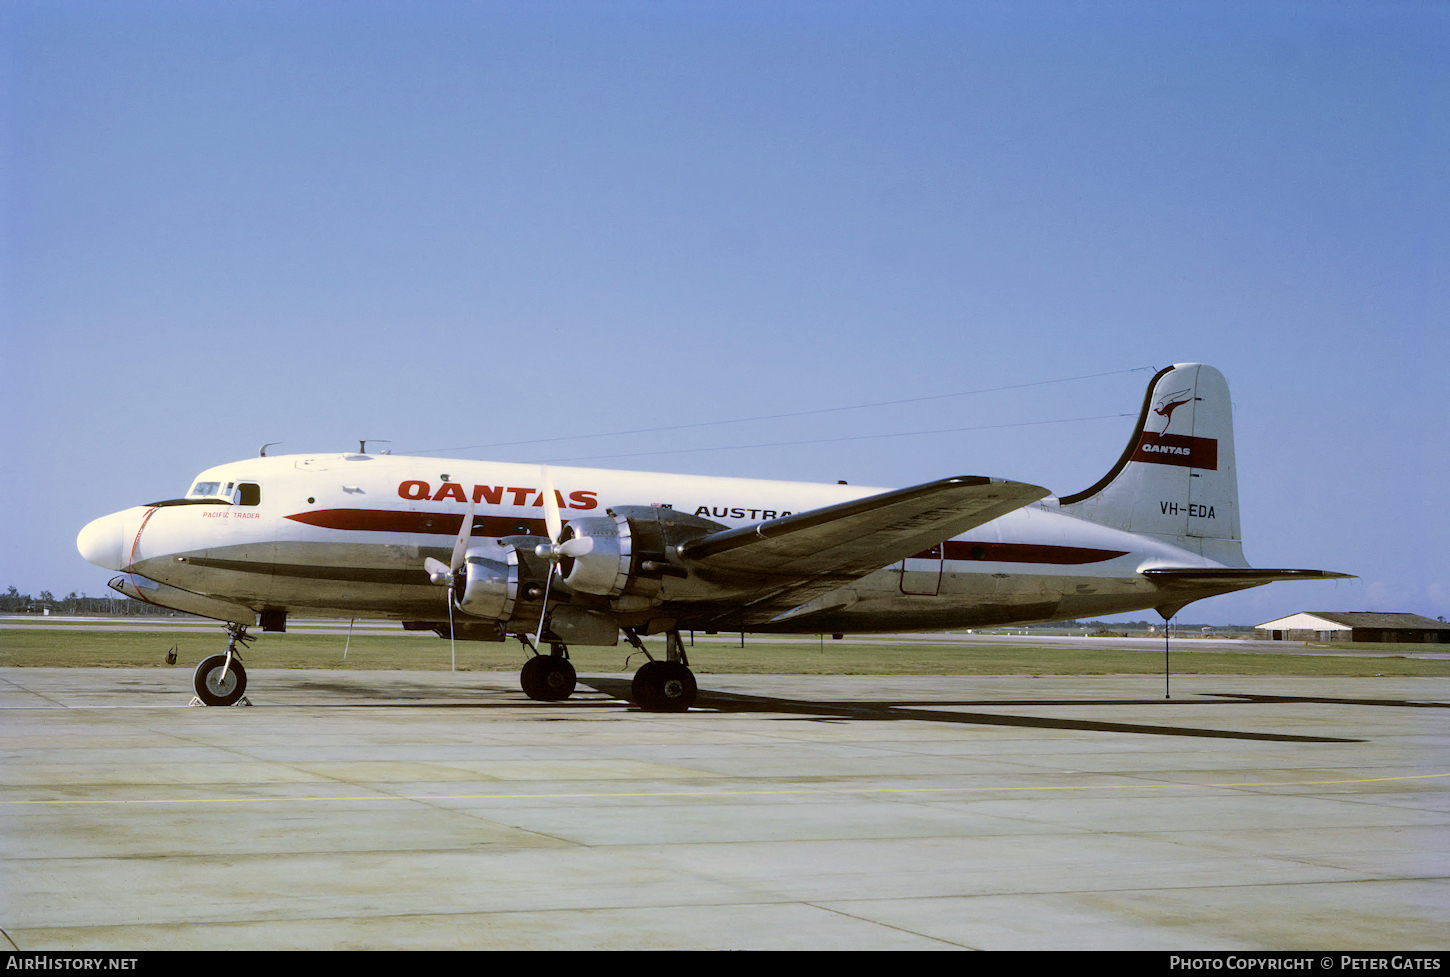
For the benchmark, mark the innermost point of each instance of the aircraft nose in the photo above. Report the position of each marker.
(103, 541)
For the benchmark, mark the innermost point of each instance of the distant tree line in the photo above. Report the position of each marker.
(14, 602)
(1139, 626)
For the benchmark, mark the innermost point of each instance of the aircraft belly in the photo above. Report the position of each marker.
(243, 570)
(1107, 595)
(925, 614)
(973, 599)
(380, 578)
(194, 572)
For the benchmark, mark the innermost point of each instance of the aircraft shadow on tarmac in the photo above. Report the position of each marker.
(1402, 703)
(927, 710)
(845, 711)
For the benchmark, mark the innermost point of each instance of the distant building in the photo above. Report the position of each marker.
(1354, 626)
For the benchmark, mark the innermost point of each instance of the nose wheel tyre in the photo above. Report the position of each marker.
(664, 686)
(548, 678)
(218, 684)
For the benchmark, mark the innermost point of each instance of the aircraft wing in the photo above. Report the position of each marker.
(849, 540)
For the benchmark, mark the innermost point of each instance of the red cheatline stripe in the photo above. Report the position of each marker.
(430, 523)
(131, 560)
(448, 524)
(957, 549)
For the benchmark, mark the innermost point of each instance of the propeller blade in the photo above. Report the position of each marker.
(551, 505)
(544, 611)
(442, 573)
(551, 550)
(461, 545)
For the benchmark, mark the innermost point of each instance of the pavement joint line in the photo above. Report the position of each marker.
(712, 793)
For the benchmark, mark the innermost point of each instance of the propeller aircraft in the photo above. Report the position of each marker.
(561, 556)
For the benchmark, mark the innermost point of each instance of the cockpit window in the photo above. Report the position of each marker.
(237, 493)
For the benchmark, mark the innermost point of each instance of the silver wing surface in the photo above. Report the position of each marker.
(798, 557)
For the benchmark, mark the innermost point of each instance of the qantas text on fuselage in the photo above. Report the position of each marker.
(417, 490)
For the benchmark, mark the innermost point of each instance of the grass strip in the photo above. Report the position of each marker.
(115, 648)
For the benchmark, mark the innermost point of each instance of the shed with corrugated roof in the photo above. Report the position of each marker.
(1354, 626)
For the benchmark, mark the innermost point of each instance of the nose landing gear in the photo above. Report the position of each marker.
(221, 680)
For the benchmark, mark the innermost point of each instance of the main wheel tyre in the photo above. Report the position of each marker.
(219, 685)
(548, 678)
(664, 687)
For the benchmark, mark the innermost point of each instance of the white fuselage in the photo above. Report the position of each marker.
(347, 535)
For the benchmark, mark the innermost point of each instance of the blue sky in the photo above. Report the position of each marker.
(470, 224)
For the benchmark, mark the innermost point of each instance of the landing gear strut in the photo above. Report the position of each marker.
(664, 686)
(221, 680)
(549, 678)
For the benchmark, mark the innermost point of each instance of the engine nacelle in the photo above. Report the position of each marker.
(499, 576)
(486, 585)
(604, 569)
(629, 549)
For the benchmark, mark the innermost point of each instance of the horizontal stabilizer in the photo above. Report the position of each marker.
(1234, 576)
(854, 538)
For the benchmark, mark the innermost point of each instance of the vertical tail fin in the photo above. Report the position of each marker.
(1177, 477)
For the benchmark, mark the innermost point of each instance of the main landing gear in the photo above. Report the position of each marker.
(221, 680)
(659, 686)
(549, 678)
(663, 686)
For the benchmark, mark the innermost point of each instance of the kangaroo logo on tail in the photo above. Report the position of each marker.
(1171, 402)
(1162, 448)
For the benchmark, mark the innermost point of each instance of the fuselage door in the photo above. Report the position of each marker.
(921, 574)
